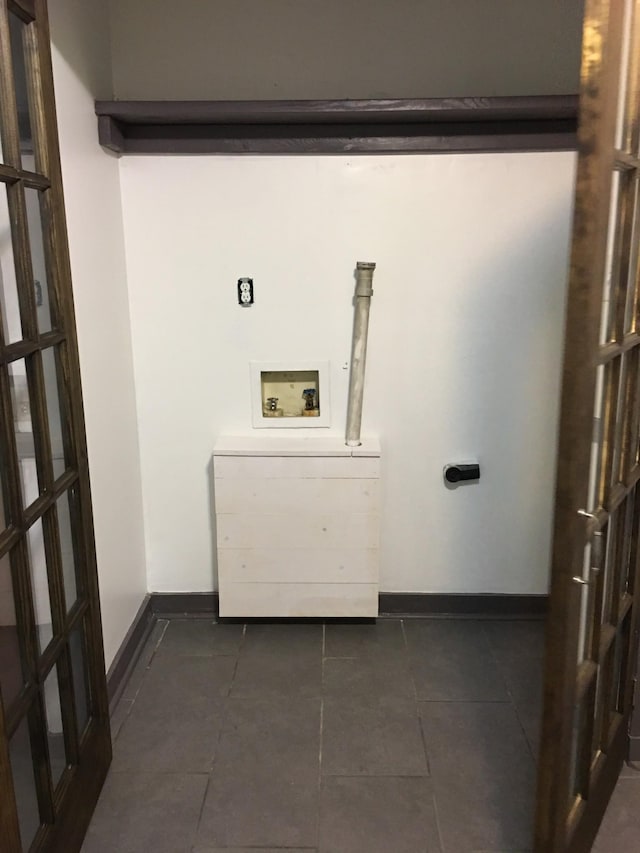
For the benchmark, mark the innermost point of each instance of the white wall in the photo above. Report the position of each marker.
(465, 341)
(217, 49)
(82, 72)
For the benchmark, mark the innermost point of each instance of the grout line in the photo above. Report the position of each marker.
(497, 663)
(404, 634)
(142, 772)
(409, 667)
(424, 742)
(434, 803)
(407, 653)
(344, 657)
(320, 740)
(115, 735)
(237, 663)
(369, 776)
(320, 770)
(204, 800)
(465, 702)
(322, 662)
(158, 643)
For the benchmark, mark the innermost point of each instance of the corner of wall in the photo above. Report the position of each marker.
(82, 72)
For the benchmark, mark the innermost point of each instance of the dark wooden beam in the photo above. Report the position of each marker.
(110, 134)
(541, 123)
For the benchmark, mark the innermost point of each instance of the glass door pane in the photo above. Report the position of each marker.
(9, 305)
(24, 784)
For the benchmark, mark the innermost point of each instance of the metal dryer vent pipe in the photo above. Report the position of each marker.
(364, 292)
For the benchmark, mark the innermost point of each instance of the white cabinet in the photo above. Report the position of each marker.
(297, 525)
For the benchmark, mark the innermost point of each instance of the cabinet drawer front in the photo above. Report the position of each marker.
(256, 495)
(280, 565)
(300, 530)
(325, 467)
(282, 600)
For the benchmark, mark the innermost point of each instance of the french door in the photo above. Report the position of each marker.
(595, 596)
(54, 729)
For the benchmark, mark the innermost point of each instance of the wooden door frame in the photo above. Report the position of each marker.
(76, 796)
(556, 831)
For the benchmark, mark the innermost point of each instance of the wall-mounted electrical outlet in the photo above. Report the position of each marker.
(245, 292)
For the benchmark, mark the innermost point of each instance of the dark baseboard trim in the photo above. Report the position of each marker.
(129, 650)
(166, 604)
(418, 125)
(439, 604)
(634, 748)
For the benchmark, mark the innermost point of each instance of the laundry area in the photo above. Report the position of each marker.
(328, 736)
(296, 528)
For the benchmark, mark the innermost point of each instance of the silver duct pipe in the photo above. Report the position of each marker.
(364, 291)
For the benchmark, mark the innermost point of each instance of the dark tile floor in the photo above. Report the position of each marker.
(408, 736)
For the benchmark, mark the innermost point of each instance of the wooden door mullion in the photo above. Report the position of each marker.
(55, 282)
(8, 108)
(631, 419)
(9, 827)
(23, 349)
(633, 587)
(23, 8)
(37, 106)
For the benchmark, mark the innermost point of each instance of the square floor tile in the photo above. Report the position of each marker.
(368, 676)
(620, 828)
(348, 641)
(365, 736)
(483, 775)
(451, 661)
(262, 638)
(247, 807)
(201, 637)
(516, 641)
(264, 785)
(170, 738)
(285, 673)
(175, 681)
(146, 812)
(278, 736)
(377, 815)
